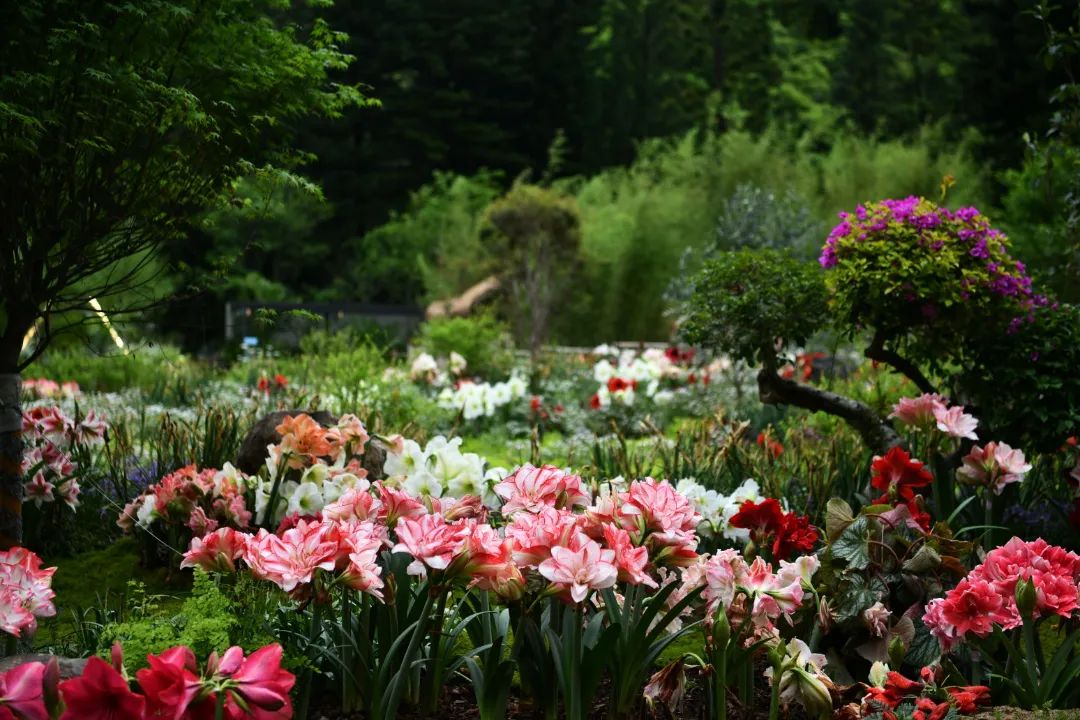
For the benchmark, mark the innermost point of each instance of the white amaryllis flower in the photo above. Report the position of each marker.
(421, 483)
(411, 459)
(457, 363)
(307, 499)
(803, 678)
(147, 512)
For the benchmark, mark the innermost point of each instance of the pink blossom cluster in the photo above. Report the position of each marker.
(987, 596)
(751, 590)
(931, 411)
(621, 537)
(50, 435)
(45, 389)
(993, 466)
(25, 591)
(200, 500)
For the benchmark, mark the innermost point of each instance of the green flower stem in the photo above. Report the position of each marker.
(305, 688)
(432, 681)
(219, 706)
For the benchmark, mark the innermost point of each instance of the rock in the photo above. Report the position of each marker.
(374, 458)
(69, 667)
(253, 449)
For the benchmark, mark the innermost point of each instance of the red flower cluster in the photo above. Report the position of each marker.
(255, 686)
(769, 525)
(617, 384)
(898, 475)
(279, 382)
(677, 356)
(932, 702)
(804, 363)
(772, 447)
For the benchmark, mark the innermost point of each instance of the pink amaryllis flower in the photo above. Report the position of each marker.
(576, 572)
(631, 562)
(533, 536)
(920, 412)
(256, 686)
(25, 591)
(22, 693)
(431, 541)
(396, 504)
(216, 552)
(954, 422)
(353, 504)
(533, 489)
(659, 516)
(291, 560)
(100, 693)
(993, 466)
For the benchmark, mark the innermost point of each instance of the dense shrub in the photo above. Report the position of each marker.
(748, 302)
(483, 340)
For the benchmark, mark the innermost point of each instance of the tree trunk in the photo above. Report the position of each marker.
(11, 451)
(876, 432)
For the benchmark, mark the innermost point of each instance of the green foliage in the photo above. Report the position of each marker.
(143, 113)
(1037, 213)
(151, 368)
(483, 340)
(533, 233)
(1025, 384)
(435, 240)
(745, 301)
(212, 619)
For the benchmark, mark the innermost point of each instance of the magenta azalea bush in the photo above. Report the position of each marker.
(905, 263)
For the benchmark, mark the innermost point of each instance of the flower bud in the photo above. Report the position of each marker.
(878, 673)
(721, 629)
(897, 651)
(1025, 597)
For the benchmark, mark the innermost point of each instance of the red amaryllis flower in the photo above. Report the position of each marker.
(258, 682)
(796, 535)
(617, 384)
(170, 683)
(101, 693)
(594, 402)
(281, 381)
(762, 519)
(897, 475)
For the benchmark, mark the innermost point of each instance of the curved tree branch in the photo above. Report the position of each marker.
(877, 433)
(877, 351)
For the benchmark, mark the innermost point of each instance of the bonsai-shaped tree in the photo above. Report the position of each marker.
(938, 296)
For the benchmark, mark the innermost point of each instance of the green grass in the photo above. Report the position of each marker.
(99, 579)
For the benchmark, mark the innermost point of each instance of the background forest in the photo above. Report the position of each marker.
(666, 121)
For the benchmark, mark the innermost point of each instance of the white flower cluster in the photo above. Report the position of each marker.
(482, 399)
(717, 509)
(319, 485)
(425, 368)
(623, 375)
(441, 470)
